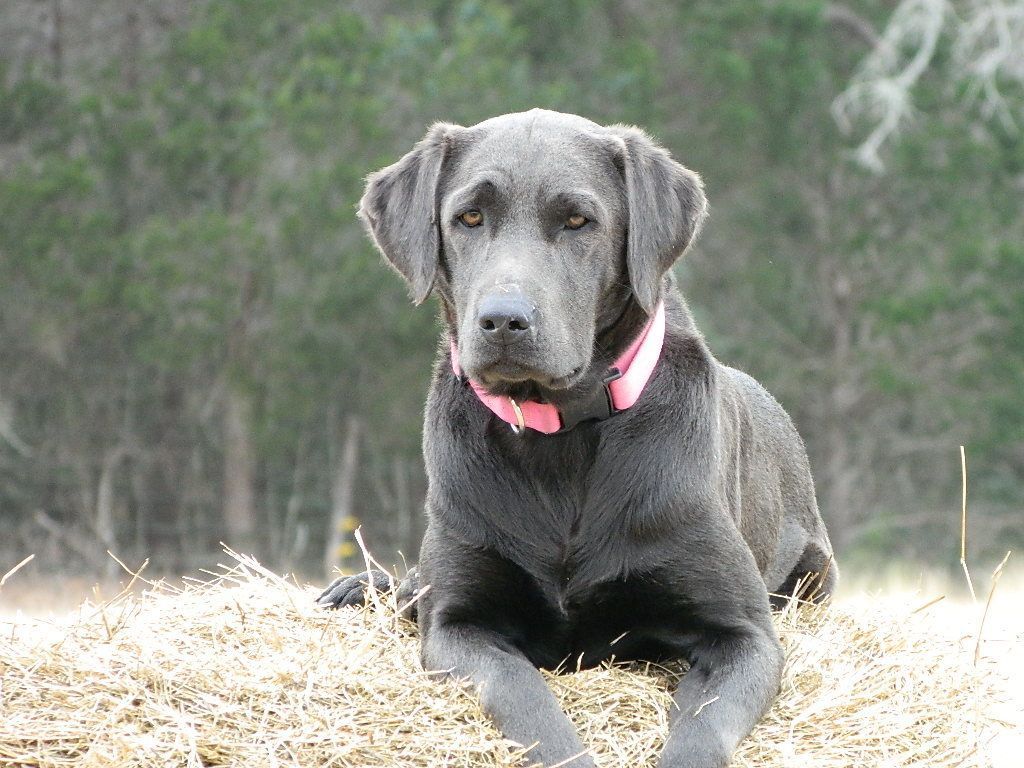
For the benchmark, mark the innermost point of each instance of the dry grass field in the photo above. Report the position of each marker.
(988, 628)
(245, 670)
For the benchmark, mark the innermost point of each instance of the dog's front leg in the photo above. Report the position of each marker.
(732, 681)
(512, 692)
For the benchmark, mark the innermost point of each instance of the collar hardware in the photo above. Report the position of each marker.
(520, 426)
(598, 407)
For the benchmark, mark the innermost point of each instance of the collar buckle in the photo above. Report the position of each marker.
(597, 407)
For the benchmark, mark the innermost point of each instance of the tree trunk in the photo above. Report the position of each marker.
(105, 525)
(130, 48)
(239, 471)
(403, 507)
(55, 39)
(240, 518)
(290, 529)
(343, 520)
(142, 502)
(840, 469)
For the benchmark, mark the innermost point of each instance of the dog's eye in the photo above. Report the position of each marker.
(576, 221)
(471, 218)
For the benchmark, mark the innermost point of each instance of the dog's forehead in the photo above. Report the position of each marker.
(537, 118)
(539, 147)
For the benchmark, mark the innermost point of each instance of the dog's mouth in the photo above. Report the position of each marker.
(508, 378)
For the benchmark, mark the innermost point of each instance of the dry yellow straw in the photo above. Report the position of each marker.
(247, 671)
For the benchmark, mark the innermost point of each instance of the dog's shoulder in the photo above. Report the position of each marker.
(743, 394)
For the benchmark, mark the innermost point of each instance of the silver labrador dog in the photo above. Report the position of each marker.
(599, 485)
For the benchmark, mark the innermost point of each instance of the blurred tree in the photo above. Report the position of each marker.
(197, 342)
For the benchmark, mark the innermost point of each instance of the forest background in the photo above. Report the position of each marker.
(199, 345)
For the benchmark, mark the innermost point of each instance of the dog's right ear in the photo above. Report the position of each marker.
(399, 210)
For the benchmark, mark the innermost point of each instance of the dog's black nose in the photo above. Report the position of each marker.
(505, 318)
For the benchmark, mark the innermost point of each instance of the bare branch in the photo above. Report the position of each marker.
(988, 55)
(880, 91)
(843, 16)
(989, 51)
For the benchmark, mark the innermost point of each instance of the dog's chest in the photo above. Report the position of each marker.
(562, 529)
(566, 543)
(591, 603)
(626, 619)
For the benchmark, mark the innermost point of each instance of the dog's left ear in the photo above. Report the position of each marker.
(399, 209)
(666, 208)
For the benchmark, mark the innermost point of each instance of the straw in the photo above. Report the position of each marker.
(246, 671)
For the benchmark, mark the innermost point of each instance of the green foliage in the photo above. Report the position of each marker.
(190, 232)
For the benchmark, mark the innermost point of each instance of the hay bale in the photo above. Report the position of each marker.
(246, 671)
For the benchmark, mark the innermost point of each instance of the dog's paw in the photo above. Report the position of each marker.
(352, 590)
(408, 591)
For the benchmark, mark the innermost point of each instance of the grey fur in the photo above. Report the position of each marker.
(662, 528)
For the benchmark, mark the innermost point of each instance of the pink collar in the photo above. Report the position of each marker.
(620, 390)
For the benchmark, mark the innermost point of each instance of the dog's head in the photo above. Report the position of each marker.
(537, 230)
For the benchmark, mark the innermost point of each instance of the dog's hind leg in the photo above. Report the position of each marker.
(813, 578)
